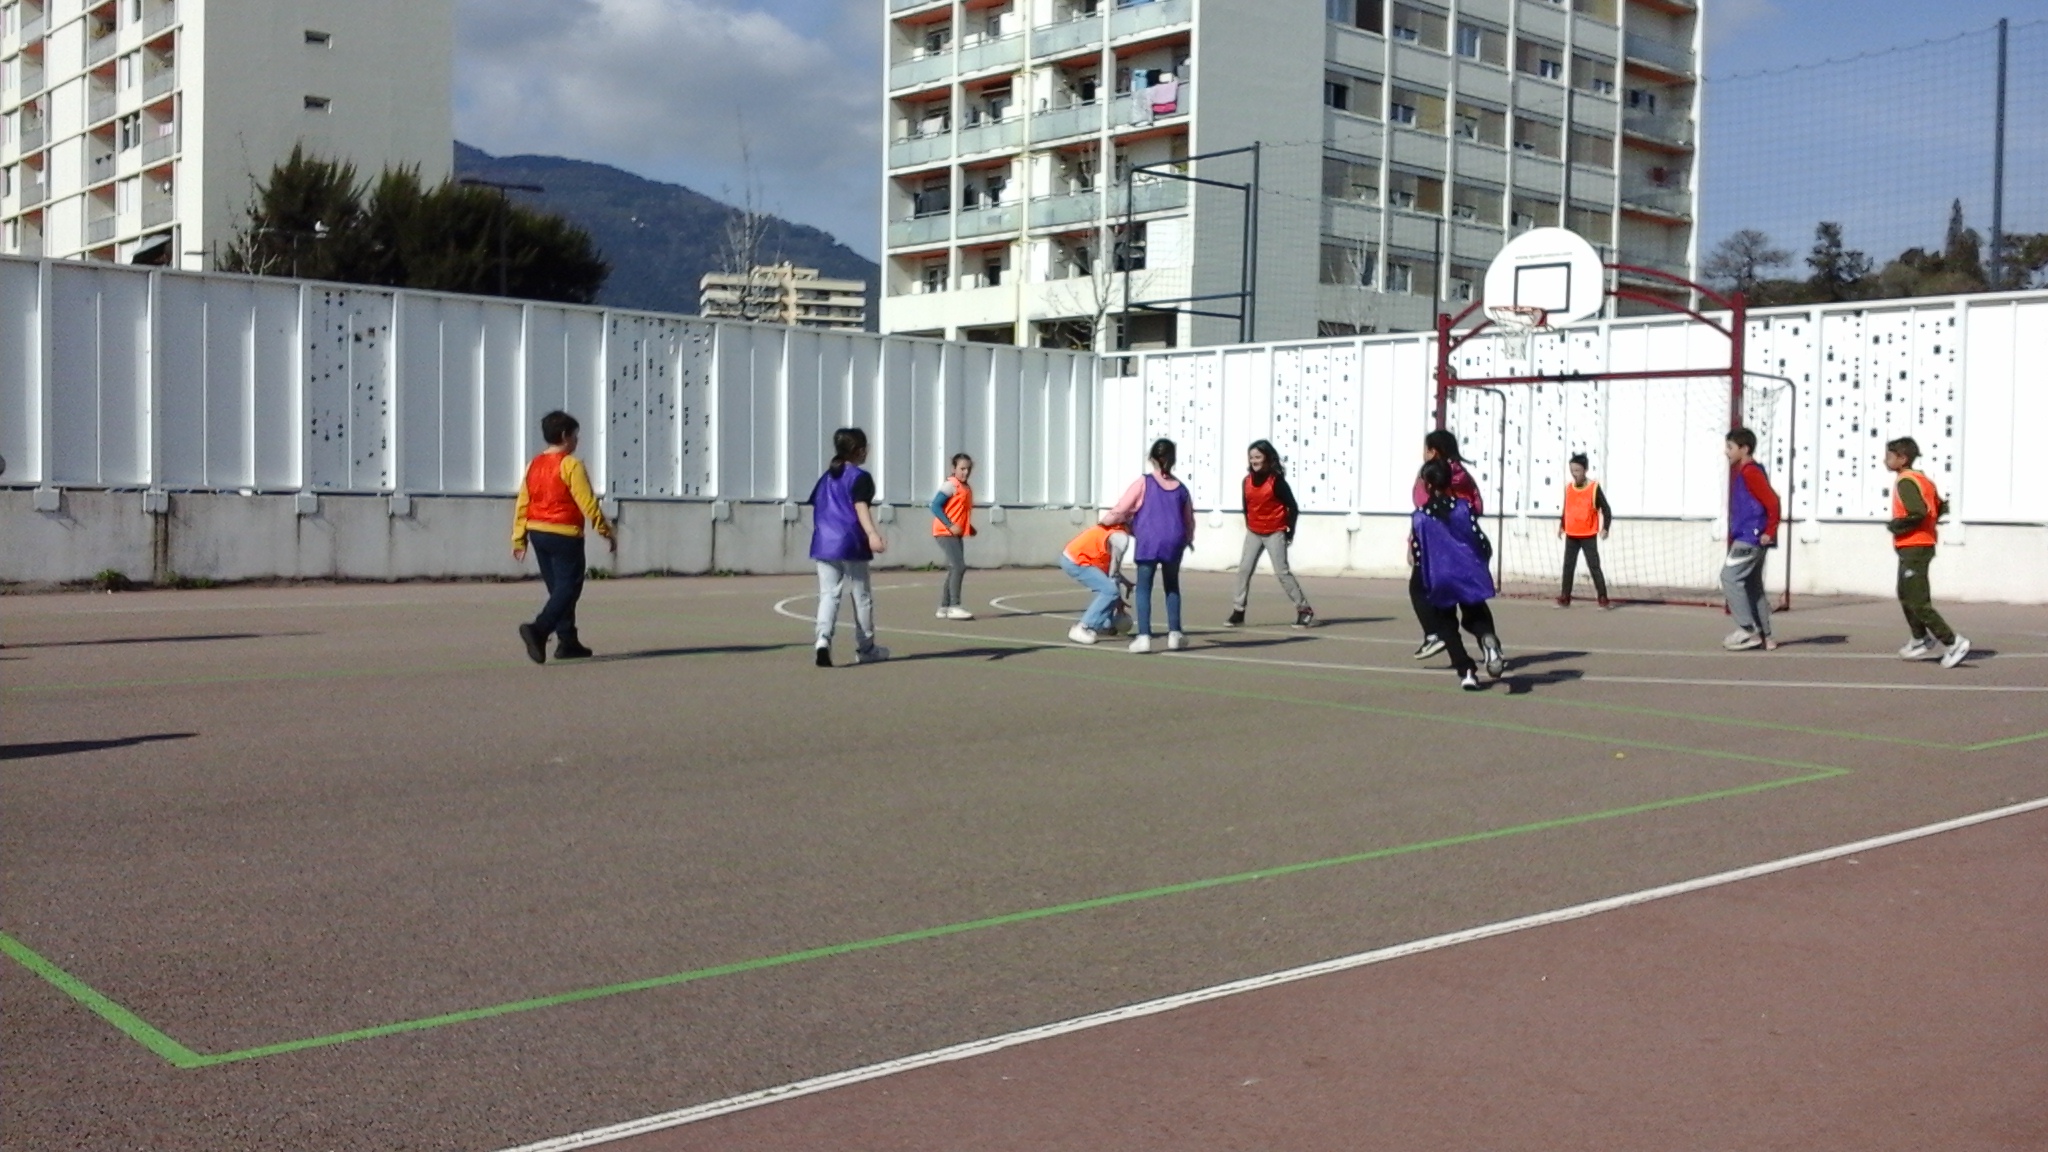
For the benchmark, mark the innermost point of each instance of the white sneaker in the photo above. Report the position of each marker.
(1469, 682)
(1080, 635)
(1742, 639)
(873, 655)
(1956, 651)
(956, 612)
(1918, 648)
(1142, 645)
(1175, 641)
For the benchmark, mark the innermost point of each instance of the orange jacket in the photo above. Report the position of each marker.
(555, 497)
(1923, 534)
(1092, 549)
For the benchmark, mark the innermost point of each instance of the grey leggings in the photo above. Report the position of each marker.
(1276, 547)
(955, 549)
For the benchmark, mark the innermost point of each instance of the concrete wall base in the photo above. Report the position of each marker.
(229, 537)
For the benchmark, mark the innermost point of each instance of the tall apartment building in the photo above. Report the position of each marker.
(135, 130)
(1402, 143)
(784, 294)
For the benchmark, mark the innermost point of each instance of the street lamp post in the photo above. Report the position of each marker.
(504, 215)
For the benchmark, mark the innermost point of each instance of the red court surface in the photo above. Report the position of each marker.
(337, 868)
(1896, 998)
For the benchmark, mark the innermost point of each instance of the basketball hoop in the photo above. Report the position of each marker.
(1517, 324)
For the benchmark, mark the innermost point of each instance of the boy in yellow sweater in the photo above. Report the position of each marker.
(554, 501)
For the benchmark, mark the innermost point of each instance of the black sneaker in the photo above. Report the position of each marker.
(566, 651)
(1305, 617)
(1431, 645)
(1236, 619)
(824, 657)
(536, 648)
(1468, 681)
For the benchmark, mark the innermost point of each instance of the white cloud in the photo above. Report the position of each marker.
(662, 88)
(1728, 19)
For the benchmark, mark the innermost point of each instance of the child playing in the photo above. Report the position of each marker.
(1585, 522)
(1095, 558)
(1161, 514)
(1916, 512)
(1752, 532)
(952, 524)
(554, 501)
(843, 540)
(1441, 445)
(1450, 565)
(1269, 515)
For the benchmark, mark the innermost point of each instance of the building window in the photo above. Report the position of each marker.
(932, 277)
(128, 195)
(1400, 113)
(992, 272)
(1337, 94)
(1419, 26)
(1354, 181)
(1478, 42)
(319, 39)
(1642, 100)
(1415, 193)
(128, 132)
(319, 104)
(1365, 15)
(1400, 276)
(1130, 249)
(1349, 263)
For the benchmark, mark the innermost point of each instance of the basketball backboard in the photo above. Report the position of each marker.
(1554, 269)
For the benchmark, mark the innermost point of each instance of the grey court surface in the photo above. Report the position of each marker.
(336, 867)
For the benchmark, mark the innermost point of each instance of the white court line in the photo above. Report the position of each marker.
(972, 1048)
(1320, 634)
(781, 607)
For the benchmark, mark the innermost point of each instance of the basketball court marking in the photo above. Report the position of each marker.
(781, 607)
(973, 1048)
(999, 604)
(181, 1056)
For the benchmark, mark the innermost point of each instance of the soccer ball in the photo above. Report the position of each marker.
(1120, 621)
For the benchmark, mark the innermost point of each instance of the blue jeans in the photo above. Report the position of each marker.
(1096, 619)
(1171, 570)
(561, 569)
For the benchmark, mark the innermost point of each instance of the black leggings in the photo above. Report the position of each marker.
(1442, 623)
(1590, 545)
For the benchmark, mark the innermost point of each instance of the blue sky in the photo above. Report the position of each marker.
(672, 88)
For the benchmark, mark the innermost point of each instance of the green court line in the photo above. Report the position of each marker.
(1441, 718)
(1368, 676)
(182, 1057)
(135, 1027)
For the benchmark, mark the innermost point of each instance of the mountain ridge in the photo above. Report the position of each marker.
(659, 238)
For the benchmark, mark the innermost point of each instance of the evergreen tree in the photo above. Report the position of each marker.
(1839, 271)
(314, 218)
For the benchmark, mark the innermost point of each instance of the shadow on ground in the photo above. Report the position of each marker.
(69, 747)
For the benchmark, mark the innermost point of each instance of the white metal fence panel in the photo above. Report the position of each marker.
(21, 371)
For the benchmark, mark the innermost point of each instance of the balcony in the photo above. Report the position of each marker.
(1675, 131)
(1675, 202)
(1141, 107)
(933, 229)
(33, 192)
(159, 18)
(920, 70)
(1007, 52)
(989, 137)
(31, 77)
(157, 83)
(99, 160)
(33, 133)
(989, 221)
(914, 151)
(1061, 211)
(1067, 36)
(100, 49)
(1155, 195)
(1662, 55)
(34, 27)
(896, 6)
(100, 106)
(157, 210)
(1073, 120)
(99, 229)
(1148, 15)
(159, 147)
